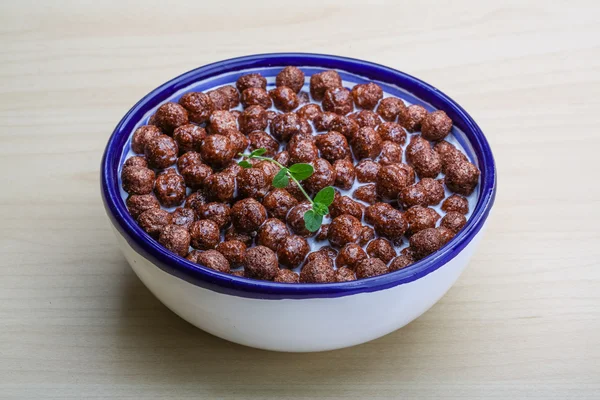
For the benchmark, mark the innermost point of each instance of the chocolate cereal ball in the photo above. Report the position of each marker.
(189, 137)
(220, 121)
(183, 217)
(142, 136)
(345, 205)
(426, 192)
(319, 83)
(205, 234)
(366, 235)
(344, 174)
(317, 272)
(391, 153)
(138, 203)
(284, 98)
(278, 202)
(286, 276)
(195, 175)
(254, 118)
(232, 234)
(449, 155)
(214, 260)
(393, 178)
(170, 116)
(309, 111)
(169, 188)
(284, 126)
(225, 97)
(322, 234)
(261, 263)
(400, 262)
(366, 143)
(251, 81)
(270, 169)
(333, 146)
(295, 219)
(456, 203)
(370, 267)
(220, 187)
(161, 152)
(195, 200)
(427, 163)
(234, 251)
(344, 275)
(454, 221)
(416, 144)
(217, 150)
(292, 77)
(436, 126)
(283, 158)
(367, 193)
(367, 95)
(393, 132)
(292, 251)
(262, 140)
(413, 117)
(324, 121)
(256, 97)
(366, 118)
(136, 161)
(219, 213)
(344, 229)
(382, 249)
(367, 170)
(462, 177)
(252, 182)
(388, 221)
(323, 176)
(322, 255)
(390, 108)
(198, 105)
(420, 218)
(153, 221)
(137, 180)
(272, 233)
(345, 125)
(445, 233)
(248, 215)
(302, 151)
(425, 242)
(338, 100)
(350, 255)
(189, 158)
(175, 238)
(239, 142)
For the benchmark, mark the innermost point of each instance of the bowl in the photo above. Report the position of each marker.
(296, 317)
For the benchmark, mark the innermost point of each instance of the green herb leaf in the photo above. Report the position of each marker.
(258, 152)
(301, 171)
(281, 180)
(320, 209)
(245, 164)
(325, 196)
(312, 221)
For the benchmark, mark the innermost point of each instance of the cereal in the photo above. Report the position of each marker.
(284, 126)
(391, 153)
(262, 140)
(170, 116)
(219, 213)
(412, 118)
(344, 275)
(382, 249)
(272, 233)
(252, 182)
(390, 108)
(302, 151)
(214, 260)
(251, 81)
(393, 132)
(462, 177)
(292, 77)
(366, 235)
(189, 158)
(284, 98)
(204, 234)
(183, 217)
(324, 120)
(367, 170)
(152, 221)
(456, 203)
(367, 95)
(292, 250)
(317, 272)
(175, 238)
(137, 180)
(333, 146)
(198, 105)
(323, 176)
(169, 188)
(367, 193)
(345, 125)
(366, 118)
(436, 126)
(136, 161)
(220, 187)
(234, 251)
(366, 143)
(309, 112)
(369, 267)
(286, 276)
(344, 229)
(138, 203)
(195, 175)
(338, 100)
(454, 221)
(345, 205)
(400, 262)
(295, 219)
(248, 215)
(419, 218)
(142, 136)
(344, 173)
(189, 137)
(393, 178)
(217, 150)
(161, 152)
(256, 97)
(220, 121)
(261, 263)
(425, 242)
(254, 118)
(319, 83)
(278, 202)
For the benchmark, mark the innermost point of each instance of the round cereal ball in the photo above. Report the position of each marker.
(214, 260)
(204, 234)
(195, 175)
(169, 188)
(262, 140)
(256, 97)
(416, 144)
(433, 189)
(269, 168)
(252, 182)
(239, 142)
(189, 158)
(232, 234)
(271, 114)
(253, 80)
(367, 194)
(413, 117)
(427, 163)
(286, 276)
(323, 176)
(292, 251)
(400, 262)
(374, 210)
(219, 213)
(425, 242)
(324, 121)
(456, 203)
(349, 256)
(195, 200)
(329, 252)
(322, 233)
(142, 136)
(225, 97)
(462, 177)
(345, 205)
(344, 229)
(169, 116)
(436, 126)
(387, 221)
(338, 100)
(153, 221)
(189, 137)
(283, 158)
(445, 233)
(319, 83)
(345, 125)
(344, 275)
(420, 218)
(367, 95)
(233, 169)
(302, 151)
(137, 180)
(295, 219)
(272, 233)
(393, 132)
(175, 238)
(454, 221)
(183, 217)
(261, 263)
(333, 146)
(284, 126)
(161, 152)
(248, 215)
(220, 187)
(370, 267)
(391, 179)
(367, 170)
(217, 150)
(254, 118)
(391, 153)
(449, 155)
(322, 255)
(138, 203)
(344, 174)
(300, 136)
(278, 202)
(198, 105)
(382, 249)
(309, 112)
(413, 195)
(366, 143)
(366, 235)
(294, 190)
(292, 77)
(317, 272)
(366, 118)
(220, 121)
(234, 251)
(284, 98)
(136, 161)
(390, 108)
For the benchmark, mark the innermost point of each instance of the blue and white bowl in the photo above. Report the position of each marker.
(296, 317)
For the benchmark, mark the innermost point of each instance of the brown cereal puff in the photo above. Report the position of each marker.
(251, 81)
(413, 195)
(195, 200)
(436, 126)
(344, 174)
(136, 161)
(416, 144)
(366, 235)
(269, 168)
(278, 202)
(333, 146)
(344, 229)
(205, 234)
(286, 276)
(233, 169)
(254, 118)
(295, 219)
(220, 121)
(462, 178)
(420, 218)
(367, 170)
(445, 233)
(434, 190)
(256, 97)
(382, 249)
(390, 108)
(338, 100)
(456, 203)
(324, 121)
(284, 126)
(137, 180)
(391, 179)
(195, 175)
(322, 234)
(272, 233)
(346, 126)
(400, 262)
(321, 255)
(193, 256)
(189, 137)
(324, 175)
(170, 116)
(413, 117)
(153, 221)
(454, 221)
(231, 95)
(239, 142)
(425, 242)
(367, 95)
(391, 153)
(303, 98)
(389, 222)
(189, 158)
(293, 189)
(271, 114)
(198, 105)
(427, 163)
(248, 215)
(309, 111)
(175, 238)
(219, 213)
(138, 203)
(300, 136)
(329, 252)
(374, 210)
(292, 251)
(214, 260)
(232, 234)
(252, 182)
(234, 251)
(292, 77)
(367, 193)
(169, 188)
(183, 217)
(220, 187)
(319, 83)
(366, 118)
(262, 140)
(261, 263)
(369, 267)
(302, 151)
(284, 98)
(142, 136)
(345, 205)
(449, 154)
(236, 114)
(344, 275)
(161, 152)
(317, 272)
(217, 150)
(393, 132)
(366, 143)
(283, 158)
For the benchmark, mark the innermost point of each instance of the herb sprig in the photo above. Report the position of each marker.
(313, 218)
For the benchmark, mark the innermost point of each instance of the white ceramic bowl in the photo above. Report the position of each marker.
(296, 317)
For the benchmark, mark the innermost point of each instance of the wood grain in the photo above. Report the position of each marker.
(522, 322)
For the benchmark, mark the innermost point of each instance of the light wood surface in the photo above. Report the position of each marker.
(523, 321)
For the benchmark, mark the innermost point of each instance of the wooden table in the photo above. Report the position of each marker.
(522, 321)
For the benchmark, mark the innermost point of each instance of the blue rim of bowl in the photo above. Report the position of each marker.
(239, 286)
